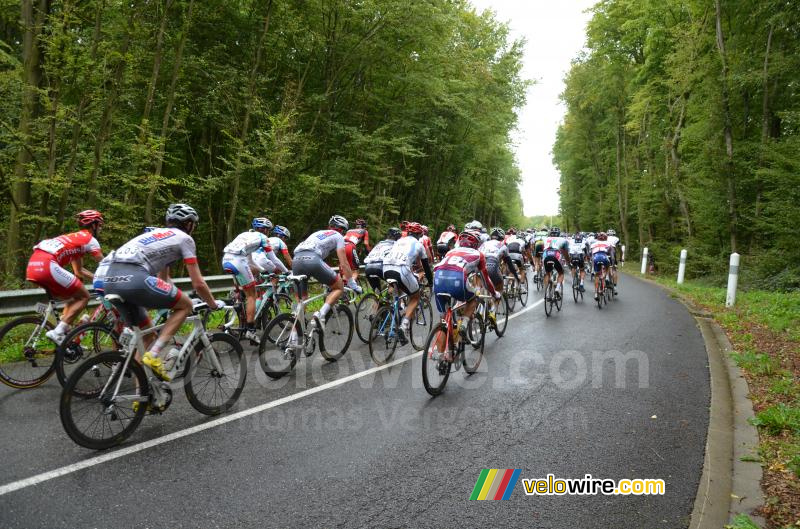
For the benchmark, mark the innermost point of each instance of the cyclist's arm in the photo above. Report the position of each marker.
(278, 263)
(487, 281)
(366, 241)
(199, 284)
(80, 271)
(344, 264)
(428, 272)
(287, 257)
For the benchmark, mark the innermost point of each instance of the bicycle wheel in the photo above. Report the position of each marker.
(501, 317)
(383, 336)
(473, 357)
(522, 292)
(338, 333)
(559, 298)
(538, 280)
(366, 310)
(435, 367)
(99, 419)
(473, 331)
(213, 386)
(27, 356)
(82, 342)
(421, 324)
(512, 294)
(548, 299)
(575, 288)
(276, 353)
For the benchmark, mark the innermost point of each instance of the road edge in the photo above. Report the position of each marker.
(728, 485)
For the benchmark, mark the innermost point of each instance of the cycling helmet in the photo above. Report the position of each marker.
(394, 233)
(403, 224)
(578, 238)
(611, 232)
(180, 213)
(262, 222)
(148, 229)
(424, 229)
(468, 239)
(414, 228)
(511, 230)
(88, 217)
(602, 236)
(498, 233)
(361, 223)
(473, 225)
(450, 227)
(282, 231)
(555, 231)
(338, 222)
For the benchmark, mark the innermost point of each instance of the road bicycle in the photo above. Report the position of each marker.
(552, 297)
(272, 298)
(107, 396)
(538, 278)
(494, 315)
(366, 309)
(576, 284)
(383, 333)
(289, 335)
(445, 349)
(603, 290)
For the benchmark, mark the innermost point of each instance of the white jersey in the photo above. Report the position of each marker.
(267, 261)
(576, 248)
(278, 245)
(494, 249)
(446, 237)
(485, 237)
(101, 271)
(247, 243)
(613, 240)
(600, 246)
(405, 252)
(157, 249)
(322, 243)
(379, 252)
(515, 244)
(555, 243)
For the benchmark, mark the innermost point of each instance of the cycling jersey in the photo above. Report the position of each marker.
(494, 251)
(247, 243)
(101, 271)
(452, 272)
(446, 237)
(357, 235)
(427, 244)
(515, 247)
(575, 248)
(278, 245)
(600, 254)
(379, 251)
(601, 246)
(157, 249)
(266, 261)
(322, 243)
(405, 252)
(71, 246)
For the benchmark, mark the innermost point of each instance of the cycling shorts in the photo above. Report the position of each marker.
(44, 270)
(239, 266)
(493, 267)
(539, 249)
(517, 258)
(600, 259)
(374, 273)
(613, 256)
(551, 260)
(310, 264)
(352, 256)
(404, 276)
(450, 282)
(576, 260)
(140, 291)
(442, 249)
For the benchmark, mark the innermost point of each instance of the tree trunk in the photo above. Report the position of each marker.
(621, 199)
(764, 120)
(727, 132)
(32, 20)
(676, 163)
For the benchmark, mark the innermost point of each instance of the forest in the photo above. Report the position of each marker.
(294, 109)
(683, 131)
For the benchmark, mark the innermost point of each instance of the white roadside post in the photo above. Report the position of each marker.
(682, 267)
(644, 260)
(623, 256)
(733, 280)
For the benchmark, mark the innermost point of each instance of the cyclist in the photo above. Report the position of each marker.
(451, 276)
(447, 240)
(516, 251)
(374, 261)
(601, 256)
(239, 258)
(555, 248)
(281, 234)
(46, 268)
(427, 244)
(309, 259)
(538, 249)
(613, 242)
(139, 274)
(495, 250)
(577, 255)
(399, 263)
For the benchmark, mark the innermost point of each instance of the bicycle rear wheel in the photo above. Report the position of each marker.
(522, 292)
(277, 352)
(99, 419)
(512, 294)
(27, 359)
(473, 356)
(383, 336)
(501, 316)
(435, 368)
(421, 324)
(366, 309)
(576, 283)
(82, 342)
(212, 387)
(338, 333)
(548, 299)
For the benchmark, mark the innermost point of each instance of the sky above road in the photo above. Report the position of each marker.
(555, 34)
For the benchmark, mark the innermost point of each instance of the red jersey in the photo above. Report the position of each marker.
(68, 247)
(356, 235)
(467, 261)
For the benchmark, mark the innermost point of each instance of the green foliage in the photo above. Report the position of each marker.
(742, 521)
(778, 418)
(380, 109)
(642, 147)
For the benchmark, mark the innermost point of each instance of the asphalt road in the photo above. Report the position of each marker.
(618, 393)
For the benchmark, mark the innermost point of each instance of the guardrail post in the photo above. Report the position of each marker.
(682, 267)
(644, 260)
(733, 280)
(623, 256)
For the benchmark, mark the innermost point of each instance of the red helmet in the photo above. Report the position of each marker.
(414, 227)
(511, 231)
(450, 227)
(468, 239)
(602, 236)
(88, 217)
(403, 224)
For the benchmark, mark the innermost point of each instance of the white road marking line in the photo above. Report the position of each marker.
(122, 452)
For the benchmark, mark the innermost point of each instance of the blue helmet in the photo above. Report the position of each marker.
(149, 229)
(262, 222)
(281, 231)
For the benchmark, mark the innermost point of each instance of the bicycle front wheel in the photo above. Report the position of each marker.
(473, 357)
(82, 342)
(27, 356)
(93, 413)
(501, 316)
(522, 292)
(512, 295)
(338, 333)
(216, 375)
(366, 310)
(383, 336)
(435, 367)
(277, 352)
(548, 299)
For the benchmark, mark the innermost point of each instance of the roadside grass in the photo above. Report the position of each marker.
(764, 329)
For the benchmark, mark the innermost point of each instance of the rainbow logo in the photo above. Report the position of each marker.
(495, 484)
